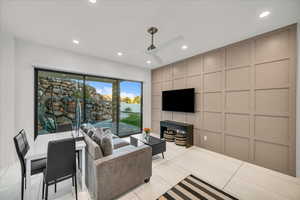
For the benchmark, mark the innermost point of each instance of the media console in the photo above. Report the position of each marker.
(179, 127)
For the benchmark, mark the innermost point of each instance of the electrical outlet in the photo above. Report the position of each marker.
(205, 138)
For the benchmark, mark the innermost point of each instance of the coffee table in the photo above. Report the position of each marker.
(157, 145)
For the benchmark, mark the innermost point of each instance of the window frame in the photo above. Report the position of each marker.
(84, 76)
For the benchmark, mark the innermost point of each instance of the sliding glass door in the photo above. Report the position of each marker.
(57, 95)
(103, 102)
(130, 107)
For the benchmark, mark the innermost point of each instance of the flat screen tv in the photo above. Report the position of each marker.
(179, 100)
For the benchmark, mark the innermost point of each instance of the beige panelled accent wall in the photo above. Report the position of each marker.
(245, 99)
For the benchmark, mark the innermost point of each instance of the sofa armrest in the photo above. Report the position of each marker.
(126, 168)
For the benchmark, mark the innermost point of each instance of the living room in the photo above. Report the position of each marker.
(215, 85)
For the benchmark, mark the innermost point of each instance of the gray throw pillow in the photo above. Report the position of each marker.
(107, 130)
(86, 127)
(96, 135)
(104, 140)
(107, 144)
(91, 131)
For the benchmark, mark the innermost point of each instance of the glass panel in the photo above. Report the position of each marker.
(104, 102)
(57, 97)
(100, 102)
(130, 108)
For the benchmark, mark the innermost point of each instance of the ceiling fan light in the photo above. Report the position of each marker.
(148, 62)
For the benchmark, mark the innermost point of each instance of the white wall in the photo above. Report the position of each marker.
(28, 54)
(7, 97)
(18, 83)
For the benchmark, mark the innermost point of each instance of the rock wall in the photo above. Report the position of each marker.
(57, 102)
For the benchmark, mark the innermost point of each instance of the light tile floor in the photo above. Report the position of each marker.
(244, 180)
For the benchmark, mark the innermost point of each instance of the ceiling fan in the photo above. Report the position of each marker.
(152, 49)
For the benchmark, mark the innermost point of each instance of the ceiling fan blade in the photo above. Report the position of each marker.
(170, 42)
(157, 59)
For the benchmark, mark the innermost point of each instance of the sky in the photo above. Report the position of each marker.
(128, 88)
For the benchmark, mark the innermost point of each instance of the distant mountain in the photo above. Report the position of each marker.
(134, 100)
(107, 97)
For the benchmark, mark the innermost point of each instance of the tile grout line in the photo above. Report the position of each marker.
(236, 171)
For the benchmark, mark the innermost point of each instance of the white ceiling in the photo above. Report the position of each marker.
(110, 26)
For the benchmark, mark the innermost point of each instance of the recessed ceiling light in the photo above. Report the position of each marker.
(76, 41)
(148, 62)
(184, 47)
(264, 14)
(120, 54)
(93, 1)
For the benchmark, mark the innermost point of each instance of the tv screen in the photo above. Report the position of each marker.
(179, 100)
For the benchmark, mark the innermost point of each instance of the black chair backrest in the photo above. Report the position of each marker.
(61, 159)
(25, 138)
(22, 148)
(64, 127)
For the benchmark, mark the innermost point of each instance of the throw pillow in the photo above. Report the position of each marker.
(91, 131)
(107, 131)
(88, 128)
(85, 127)
(104, 140)
(96, 135)
(107, 144)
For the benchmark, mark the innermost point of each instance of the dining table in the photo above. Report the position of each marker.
(38, 150)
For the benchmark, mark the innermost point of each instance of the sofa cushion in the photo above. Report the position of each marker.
(107, 144)
(93, 148)
(125, 148)
(97, 135)
(104, 140)
(118, 143)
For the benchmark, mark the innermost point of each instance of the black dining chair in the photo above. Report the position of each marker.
(22, 147)
(68, 127)
(61, 164)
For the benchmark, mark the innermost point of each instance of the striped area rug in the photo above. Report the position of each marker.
(192, 188)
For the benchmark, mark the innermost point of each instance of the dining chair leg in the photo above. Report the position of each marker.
(72, 181)
(25, 181)
(78, 159)
(43, 191)
(75, 186)
(55, 187)
(46, 195)
(22, 188)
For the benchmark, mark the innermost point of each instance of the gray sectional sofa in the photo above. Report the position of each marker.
(108, 177)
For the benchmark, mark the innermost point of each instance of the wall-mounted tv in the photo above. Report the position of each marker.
(179, 100)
